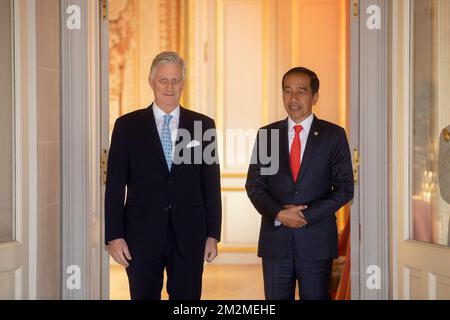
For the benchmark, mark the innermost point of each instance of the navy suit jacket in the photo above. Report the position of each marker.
(141, 192)
(325, 183)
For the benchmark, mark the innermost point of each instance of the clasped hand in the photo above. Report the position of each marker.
(292, 216)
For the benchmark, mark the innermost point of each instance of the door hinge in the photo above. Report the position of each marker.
(103, 166)
(355, 8)
(104, 8)
(355, 166)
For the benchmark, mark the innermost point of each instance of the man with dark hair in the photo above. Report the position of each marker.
(315, 83)
(298, 235)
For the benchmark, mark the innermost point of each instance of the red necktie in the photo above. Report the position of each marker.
(296, 149)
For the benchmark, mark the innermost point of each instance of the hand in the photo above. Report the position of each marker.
(118, 250)
(210, 249)
(292, 216)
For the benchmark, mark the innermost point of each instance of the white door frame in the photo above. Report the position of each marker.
(399, 45)
(369, 127)
(82, 236)
(82, 140)
(104, 135)
(354, 146)
(20, 256)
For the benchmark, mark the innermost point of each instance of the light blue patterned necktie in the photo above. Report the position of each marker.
(166, 140)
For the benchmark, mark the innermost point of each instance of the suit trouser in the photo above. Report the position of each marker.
(280, 277)
(184, 276)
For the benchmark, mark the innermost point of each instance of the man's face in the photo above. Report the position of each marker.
(297, 96)
(167, 85)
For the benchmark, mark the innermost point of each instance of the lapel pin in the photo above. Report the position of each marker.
(316, 133)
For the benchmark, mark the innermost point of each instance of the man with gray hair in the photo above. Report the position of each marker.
(162, 213)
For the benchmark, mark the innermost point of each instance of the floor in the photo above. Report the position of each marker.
(220, 282)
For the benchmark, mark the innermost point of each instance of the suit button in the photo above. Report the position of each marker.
(170, 182)
(296, 192)
(166, 209)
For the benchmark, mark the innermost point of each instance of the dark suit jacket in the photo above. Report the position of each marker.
(325, 184)
(189, 192)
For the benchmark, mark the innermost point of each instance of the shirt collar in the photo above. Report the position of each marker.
(306, 123)
(159, 114)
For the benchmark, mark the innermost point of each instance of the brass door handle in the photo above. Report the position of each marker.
(446, 135)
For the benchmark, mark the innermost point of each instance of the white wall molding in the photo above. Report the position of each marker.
(373, 127)
(32, 148)
(354, 144)
(80, 149)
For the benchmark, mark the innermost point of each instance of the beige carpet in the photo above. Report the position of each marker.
(220, 282)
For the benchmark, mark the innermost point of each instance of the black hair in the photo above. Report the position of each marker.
(315, 83)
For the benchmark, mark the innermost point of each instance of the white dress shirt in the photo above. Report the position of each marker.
(173, 125)
(306, 124)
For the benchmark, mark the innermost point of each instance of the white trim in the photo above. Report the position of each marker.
(14, 116)
(17, 124)
(32, 149)
(374, 249)
(393, 152)
(406, 283)
(400, 43)
(73, 167)
(104, 145)
(407, 54)
(18, 187)
(81, 229)
(355, 272)
(93, 146)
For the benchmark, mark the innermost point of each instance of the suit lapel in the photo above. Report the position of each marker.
(153, 132)
(311, 146)
(184, 123)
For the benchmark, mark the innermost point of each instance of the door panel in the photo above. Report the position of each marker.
(17, 150)
(420, 116)
(6, 123)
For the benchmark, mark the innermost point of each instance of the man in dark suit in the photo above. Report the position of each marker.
(298, 202)
(162, 202)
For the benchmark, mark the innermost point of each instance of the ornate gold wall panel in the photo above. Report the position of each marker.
(123, 62)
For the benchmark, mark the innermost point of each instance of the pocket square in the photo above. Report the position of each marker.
(192, 144)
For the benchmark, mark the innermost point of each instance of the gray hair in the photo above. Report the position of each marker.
(167, 57)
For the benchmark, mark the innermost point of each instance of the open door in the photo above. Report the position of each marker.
(421, 149)
(16, 155)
